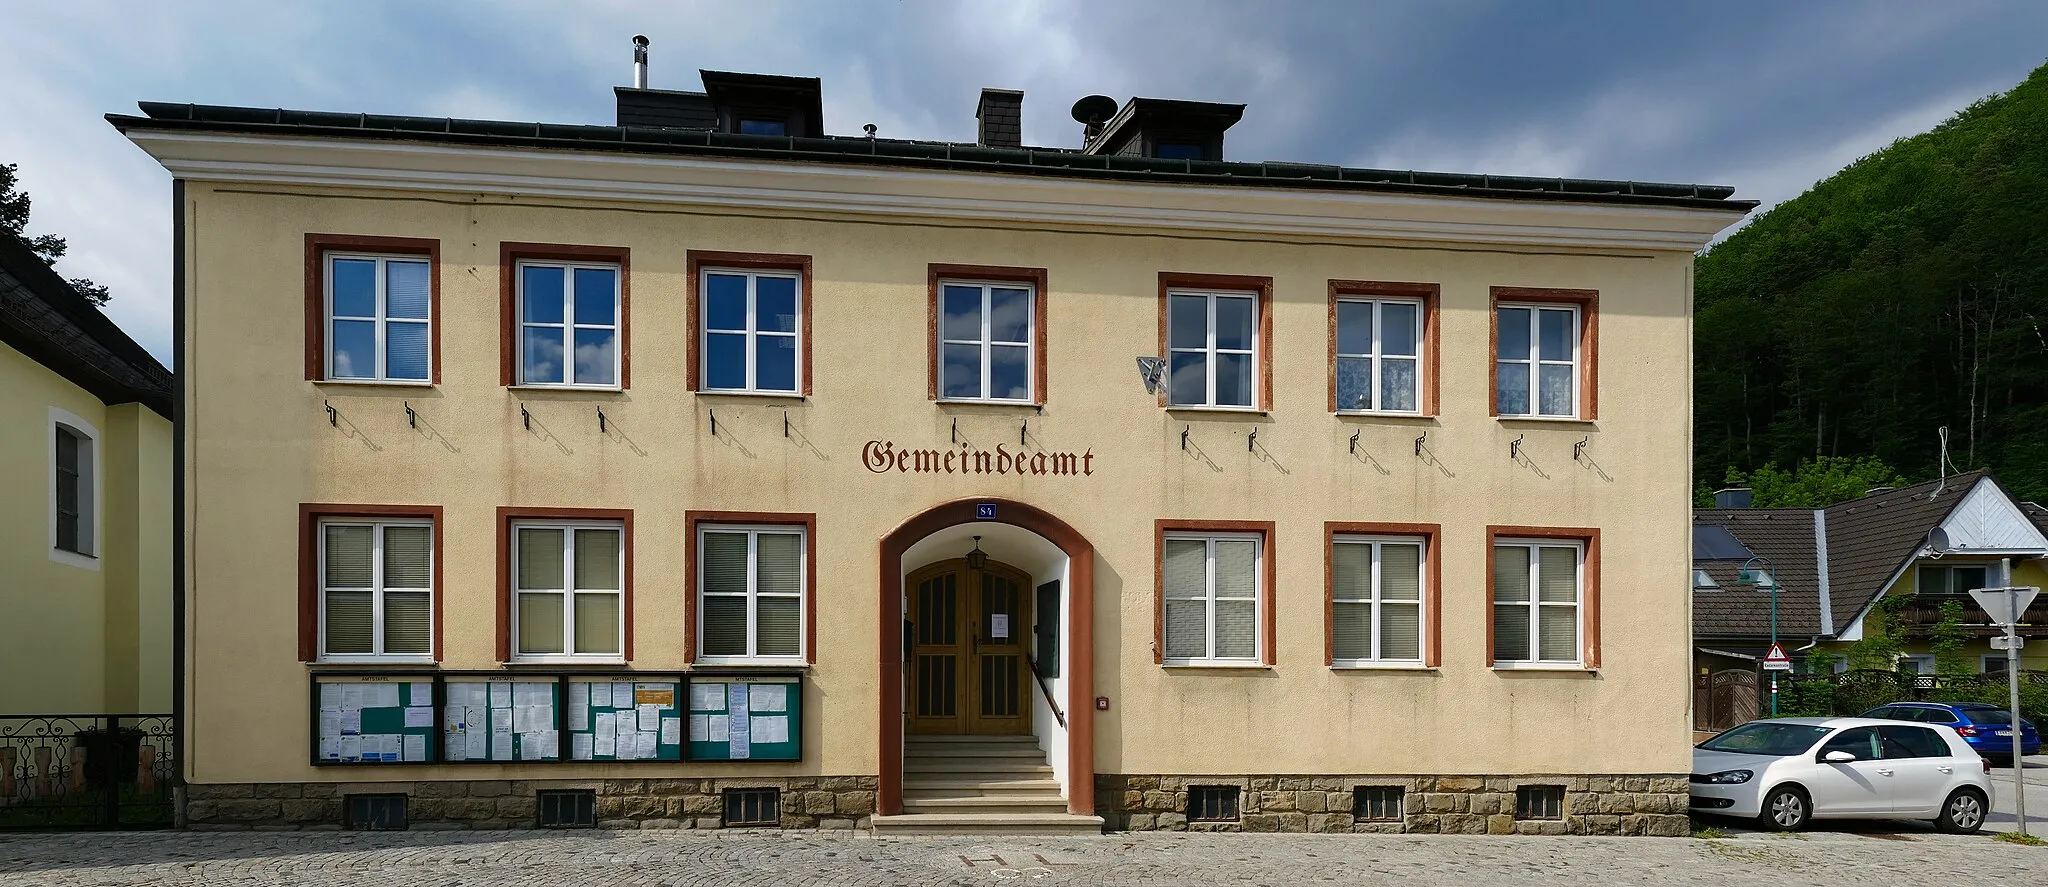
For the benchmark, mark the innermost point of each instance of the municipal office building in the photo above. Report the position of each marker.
(717, 469)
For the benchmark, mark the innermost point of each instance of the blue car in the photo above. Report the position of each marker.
(1987, 728)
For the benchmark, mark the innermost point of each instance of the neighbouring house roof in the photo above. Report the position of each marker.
(1736, 609)
(1871, 539)
(688, 139)
(42, 317)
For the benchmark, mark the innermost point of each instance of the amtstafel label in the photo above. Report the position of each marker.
(883, 457)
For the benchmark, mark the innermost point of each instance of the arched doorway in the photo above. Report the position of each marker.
(1078, 631)
(968, 657)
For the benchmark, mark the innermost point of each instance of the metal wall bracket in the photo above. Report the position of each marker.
(1354, 442)
(525, 418)
(785, 423)
(1579, 449)
(956, 429)
(412, 420)
(332, 418)
(1184, 437)
(714, 422)
(1251, 444)
(1515, 449)
(600, 421)
(1418, 442)
(1022, 428)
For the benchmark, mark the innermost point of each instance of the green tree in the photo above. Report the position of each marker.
(1814, 483)
(14, 206)
(1949, 640)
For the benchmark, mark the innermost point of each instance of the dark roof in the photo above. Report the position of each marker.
(2037, 513)
(1738, 609)
(1872, 538)
(1713, 542)
(42, 317)
(860, 150)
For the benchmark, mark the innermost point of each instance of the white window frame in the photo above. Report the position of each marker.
(1923, 661)
(753, 594)
(381, 320)
(1378, 355)
(1535, 361)
(753, 333)
(569, 324)
(1209, 540)
(567, 592)
(1425, 618)
(90, 489)
(1948, 571)
(1209, 351)
(1535, 605)
(1984, 663)
(987, 341)
(376, 588)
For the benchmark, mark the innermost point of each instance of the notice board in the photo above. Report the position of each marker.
(746, 718)
(625, 718)
(502, 719)
(384, 719)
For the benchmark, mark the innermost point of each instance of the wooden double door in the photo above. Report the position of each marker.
(969, 632)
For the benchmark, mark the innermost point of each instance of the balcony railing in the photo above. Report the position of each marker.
(1922, 611)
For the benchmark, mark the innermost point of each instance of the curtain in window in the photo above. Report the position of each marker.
(408, 614)
(778, 612)
(1185, 576)
(351, 614)
(1237, 592)
(1511, 603)
(723, 560)
(1400, 601)
(1558, 584)
(1351, 590)
(598, 601)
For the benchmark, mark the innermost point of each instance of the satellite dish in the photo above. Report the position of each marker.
(1150, 370)
(1937, 542)
(1094, 109)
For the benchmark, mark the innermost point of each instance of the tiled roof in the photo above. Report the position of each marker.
(1871, 538)
(42, 317)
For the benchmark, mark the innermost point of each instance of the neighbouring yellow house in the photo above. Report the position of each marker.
(712, 470)
(85, 504)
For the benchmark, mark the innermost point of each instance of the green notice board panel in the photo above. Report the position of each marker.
(502, 719)
(746, 718)
(373, 720)
(615, 719)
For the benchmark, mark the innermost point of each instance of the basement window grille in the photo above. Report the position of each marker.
(374, 813)
(567, 808)
(752, 807)
(1376, 803)
(1539, 802)
(1212, 803)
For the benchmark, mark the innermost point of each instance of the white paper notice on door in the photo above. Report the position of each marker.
(999, 626)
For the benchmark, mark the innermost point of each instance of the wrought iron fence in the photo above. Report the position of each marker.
(1854, 692)
(87, 771)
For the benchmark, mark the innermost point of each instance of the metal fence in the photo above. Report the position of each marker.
(1854, 692)
(87, 771)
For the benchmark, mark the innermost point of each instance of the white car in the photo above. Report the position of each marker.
(1785, 771)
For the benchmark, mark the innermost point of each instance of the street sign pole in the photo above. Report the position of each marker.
(2005, 606)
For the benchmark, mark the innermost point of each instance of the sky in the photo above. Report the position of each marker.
(1769, 97)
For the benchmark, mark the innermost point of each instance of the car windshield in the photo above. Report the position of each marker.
(1988, 715)
(1766, 738)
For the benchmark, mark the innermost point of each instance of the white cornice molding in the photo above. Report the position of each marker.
(922, 194)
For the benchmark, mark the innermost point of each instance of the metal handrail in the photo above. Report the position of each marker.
(1046, 690)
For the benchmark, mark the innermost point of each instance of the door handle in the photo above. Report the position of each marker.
(1946, 769)
(1884, 771)
(976, 645)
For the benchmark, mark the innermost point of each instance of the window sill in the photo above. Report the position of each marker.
(1238, 411)
(578, 389)
(765, 395)
(559, 661)
(359, 661)
(1544, 666)
(375, 383)
(975, 402)
(797, 662)
(1383, 666)
(1219, 664)
(1548, 420)
(74, 559)
(1380, 414)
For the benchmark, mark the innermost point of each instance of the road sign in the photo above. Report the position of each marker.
(2005, 643)
(1776, 660)
(2004, 605)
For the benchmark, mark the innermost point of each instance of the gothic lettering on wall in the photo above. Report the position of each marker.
(883, 457)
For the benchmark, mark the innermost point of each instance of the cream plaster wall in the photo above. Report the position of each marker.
(261, 444)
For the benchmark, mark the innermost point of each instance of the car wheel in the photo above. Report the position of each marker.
(1785, 810)
(1962, 813)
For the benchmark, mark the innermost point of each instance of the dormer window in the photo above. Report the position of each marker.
(757, 126)
(1179, 151)
(765, 105)
(1162, 128)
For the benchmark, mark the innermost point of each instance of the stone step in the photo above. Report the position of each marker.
(987, 824)
(1006, 767)
(999, 805)
(977, 751)
(914, 739)
(966, 785)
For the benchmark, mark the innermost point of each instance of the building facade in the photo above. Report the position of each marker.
(831, 454)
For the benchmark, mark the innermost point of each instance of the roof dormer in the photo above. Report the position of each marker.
(766, 104)
(1164, 128)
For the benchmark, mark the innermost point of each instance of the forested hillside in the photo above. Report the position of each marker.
(1906, 292)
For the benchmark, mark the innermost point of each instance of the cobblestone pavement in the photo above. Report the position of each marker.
(448, 859)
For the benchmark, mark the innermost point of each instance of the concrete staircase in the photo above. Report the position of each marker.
(969, 785)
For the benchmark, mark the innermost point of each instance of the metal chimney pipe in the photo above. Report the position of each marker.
(639, 61)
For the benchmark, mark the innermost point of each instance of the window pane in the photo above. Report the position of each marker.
(725, 302)
(408, 290)
(1511, 391)
(1397, 384)
(1188, 327)
(348, 556)
(1400, 571)
(725, 626)
(540, 294)
(408, 559)
(780, 569)
(540, 558)
(1187, 629)
(1189, 381)
(1009, 372)
(405, 350)
(1932, 581)
(1354, 383)
(962, 371)
(725, 361)
(1233, 380)
(775, 304)
(775, 363)
(597, 623)
(1511, 327)
(540, 623)
(596, 357)
(779, 631)
(1351, 631)
(348, 622)
(1234, 322)
(1186, 571)
(597, 559)
(355, 350)
(1510, 632)
(1558, 636)
(1237, 568)
(962, 308)
(1354, 327)
(542, 347)
(1556, 390)
(1554, 332)
(1237, 630)
(725, 563)
(408, 622)
(1351, 571)
(1510, 573)
(1557, 575)
(1009, 315)
(597, 296)
(1400, 327)
(355, 288)
(1964, 580)
(1400, 631)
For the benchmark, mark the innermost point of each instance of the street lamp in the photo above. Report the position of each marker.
(1771, 574)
